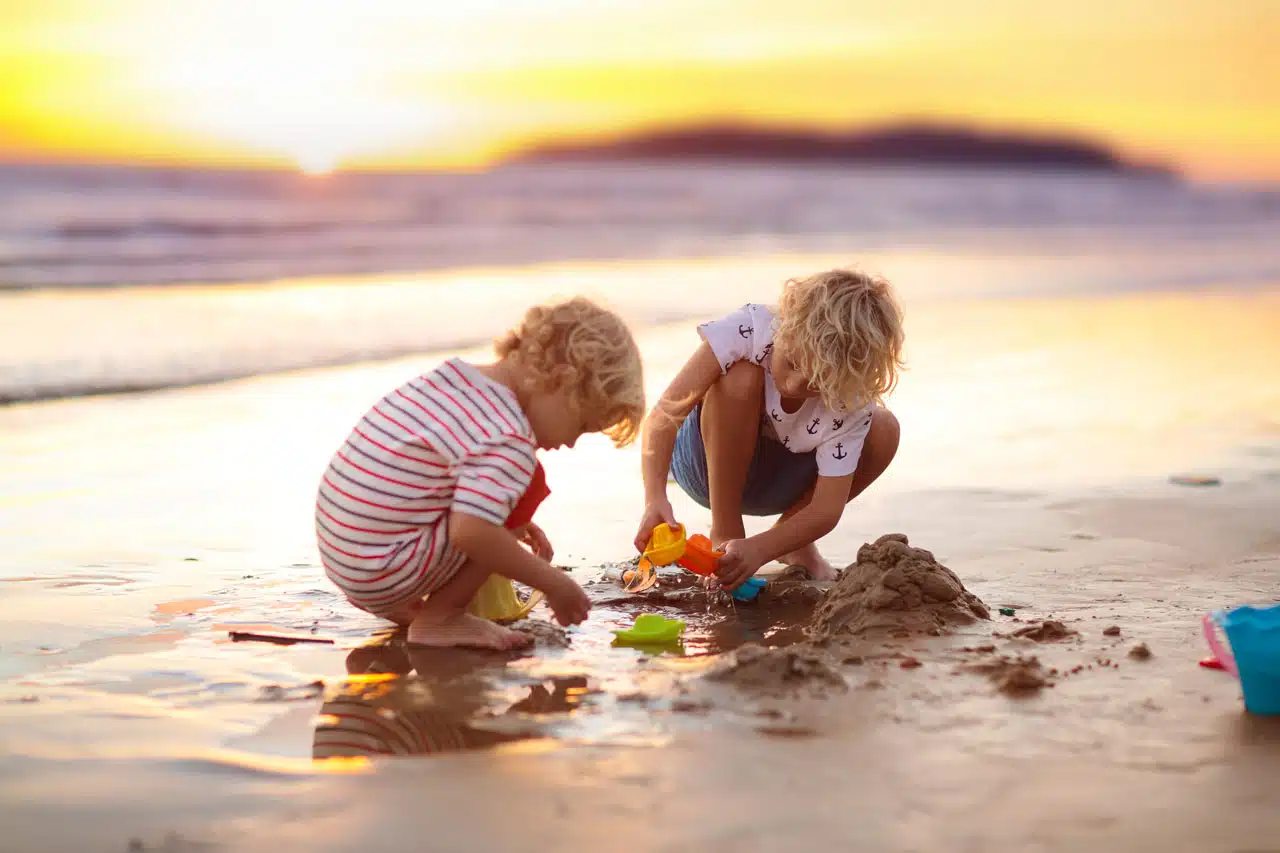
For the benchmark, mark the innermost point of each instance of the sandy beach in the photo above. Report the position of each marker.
(1039, 439)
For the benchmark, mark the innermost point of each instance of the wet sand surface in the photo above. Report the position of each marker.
(141, 530)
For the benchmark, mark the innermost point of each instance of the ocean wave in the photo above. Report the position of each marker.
(97, 227)
(63, 343)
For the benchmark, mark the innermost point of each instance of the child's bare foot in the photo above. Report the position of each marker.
(812, 561)
(464, 630)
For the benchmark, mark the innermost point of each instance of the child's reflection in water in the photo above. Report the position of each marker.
(424, 713)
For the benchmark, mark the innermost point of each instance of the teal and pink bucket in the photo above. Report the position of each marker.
(1252, 653)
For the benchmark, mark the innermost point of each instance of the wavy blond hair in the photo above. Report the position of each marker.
(590, 349)
(842, 329)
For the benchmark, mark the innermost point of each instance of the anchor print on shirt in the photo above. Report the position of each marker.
(812, 428)
(745, 331)
(764, 353)
(773, 413)
(836, 423)
(839, 451)
(786, 441)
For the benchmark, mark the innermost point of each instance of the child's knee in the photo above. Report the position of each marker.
(886, 430)
(743, 383)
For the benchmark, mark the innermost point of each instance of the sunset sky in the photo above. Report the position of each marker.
(320, 84)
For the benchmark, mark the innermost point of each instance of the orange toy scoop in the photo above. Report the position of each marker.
(699, 557)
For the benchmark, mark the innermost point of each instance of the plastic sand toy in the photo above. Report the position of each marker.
(668, 544)
(497, 600)
(1253, 653)
(749, 589)
(641, 578)
(650, 629)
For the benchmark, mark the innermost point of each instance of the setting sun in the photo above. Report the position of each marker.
(294, 85)
(315, 162)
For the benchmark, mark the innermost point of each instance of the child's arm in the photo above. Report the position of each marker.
(743, 557)
(690, 385)
(490, 545)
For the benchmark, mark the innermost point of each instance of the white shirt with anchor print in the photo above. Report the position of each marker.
(835, 437)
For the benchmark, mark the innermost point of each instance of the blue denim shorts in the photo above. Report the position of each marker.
(776, 479)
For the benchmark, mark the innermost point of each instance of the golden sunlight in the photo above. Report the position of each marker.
(289, 83)
(320, 85)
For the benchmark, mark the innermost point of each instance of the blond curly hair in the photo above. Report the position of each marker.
(842, 329)
(590, 349)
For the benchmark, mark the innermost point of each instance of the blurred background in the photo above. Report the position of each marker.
(200, 189)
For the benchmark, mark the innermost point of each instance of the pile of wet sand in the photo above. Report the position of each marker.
(778, 671)
(1048, 631)
(896, 590)
(892, 590)
(1014, 676)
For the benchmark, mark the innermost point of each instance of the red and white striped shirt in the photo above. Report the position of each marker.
(451, 440)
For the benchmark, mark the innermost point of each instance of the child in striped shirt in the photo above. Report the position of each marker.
(435, 488)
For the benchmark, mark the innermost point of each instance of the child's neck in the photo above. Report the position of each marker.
(510, 375)
(791, 405)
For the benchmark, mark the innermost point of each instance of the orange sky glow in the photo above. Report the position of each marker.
(325, 84)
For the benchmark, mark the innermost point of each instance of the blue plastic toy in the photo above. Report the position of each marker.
(1253, 634)
(749, 589)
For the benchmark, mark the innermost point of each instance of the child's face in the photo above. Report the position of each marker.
(791, 383)
(557, 419)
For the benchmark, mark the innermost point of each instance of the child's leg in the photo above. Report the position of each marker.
(443, 620)
(730, 426)
(878, 450)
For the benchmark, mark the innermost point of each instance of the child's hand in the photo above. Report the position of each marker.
(655, 513)
(740, 561)
(567, 600)
(533, 536)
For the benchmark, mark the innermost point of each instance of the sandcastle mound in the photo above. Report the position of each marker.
(897, 590)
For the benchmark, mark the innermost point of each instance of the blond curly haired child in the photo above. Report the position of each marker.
(788, 420)
(435, 487)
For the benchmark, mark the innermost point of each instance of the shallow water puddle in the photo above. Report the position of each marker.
(170, 679)
(576, 687)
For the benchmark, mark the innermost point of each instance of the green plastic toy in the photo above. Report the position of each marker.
(650, 629)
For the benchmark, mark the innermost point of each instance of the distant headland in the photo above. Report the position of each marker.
(905, 144)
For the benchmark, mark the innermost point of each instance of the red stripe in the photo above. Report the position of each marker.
(333, 547)
(402, 595)
(344, 458)
(502, 486)
(330, 516)
(414, 459)
(330, 484)
(485, 495)
(464, 409)
(429, 414)
(378, 409)
(486, 397)
(388, 573)
(514, 464)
